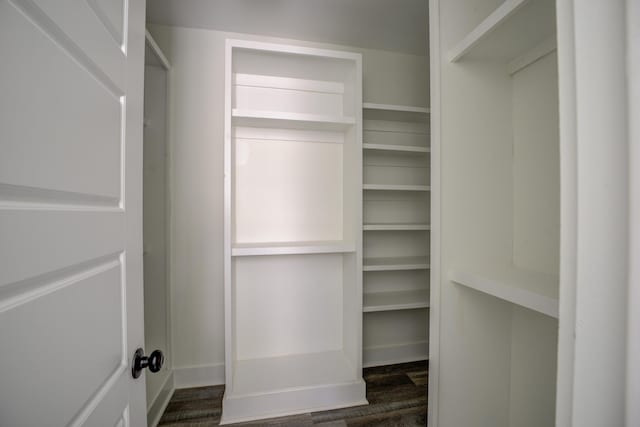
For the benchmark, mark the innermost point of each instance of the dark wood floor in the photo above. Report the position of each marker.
(397, 396)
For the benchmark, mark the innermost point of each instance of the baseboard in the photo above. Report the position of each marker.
(160, 401)
(285, 402)
(198, 376)
(397, 353)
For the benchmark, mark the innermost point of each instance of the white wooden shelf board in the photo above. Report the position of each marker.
(395, 353)
(291, 248)
(290, 372)
(398, 300)
(535, 291)
(395, 227)
(510, 30)
(392, 107)
(398, 148)
(387, 187)
(287, 83)
(279, 119)
(395, 263)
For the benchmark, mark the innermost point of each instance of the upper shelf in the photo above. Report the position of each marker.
(291, 248)
(392, 107)
(396, 300)
(511, 30)
(535, 291)
(389, 187)
(397, 148)
(395, 263)
(279, 119)
(395, 227)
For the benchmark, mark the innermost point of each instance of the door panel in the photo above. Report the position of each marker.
(40, 241)
(93, 334)
(70, 212)
(82, 138)
(80, 28)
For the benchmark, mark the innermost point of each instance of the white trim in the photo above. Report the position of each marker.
(528, 58)
(155, 48)
(229, 324)
(568, 212)
(157, 406)
(198, 376)
(396, 353)
(633, 316)
(435, 284)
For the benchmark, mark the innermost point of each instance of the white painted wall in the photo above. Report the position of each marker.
(196, 115)
(159, 386)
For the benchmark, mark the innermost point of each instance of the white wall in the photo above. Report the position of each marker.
(196, 115)
(156, 316)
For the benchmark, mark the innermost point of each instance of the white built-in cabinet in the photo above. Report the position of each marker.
(293, 230)
(396, 229)
(495, 292)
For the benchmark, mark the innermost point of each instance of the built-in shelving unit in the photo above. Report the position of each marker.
(293, 231)
(497, 296)
(396, 232)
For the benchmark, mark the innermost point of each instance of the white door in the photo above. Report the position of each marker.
(71, 315)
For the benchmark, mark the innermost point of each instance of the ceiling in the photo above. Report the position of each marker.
(396, 25)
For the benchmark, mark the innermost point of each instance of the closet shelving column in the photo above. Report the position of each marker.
(396, 233)
(498, 297)
(293, 224)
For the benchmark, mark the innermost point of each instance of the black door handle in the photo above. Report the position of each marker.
(154, 362)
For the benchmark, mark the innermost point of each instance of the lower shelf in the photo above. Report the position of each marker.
(395, 263)
(395, 227)
(398, 300)
(395, 353)
(286, 385)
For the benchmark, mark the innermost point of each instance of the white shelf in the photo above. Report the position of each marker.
(385, 187)
(395, 227)
(392, 107)
(279, 119)
(535, 291)
(278, 386)
(291, 248)
(398, 300)
(510, 30)
(287, 372)
(395, 264)
(398, 148)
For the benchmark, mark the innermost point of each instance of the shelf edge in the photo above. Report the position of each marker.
(395, 107)
(486, 27)
(518, 296)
